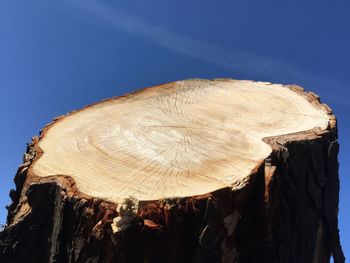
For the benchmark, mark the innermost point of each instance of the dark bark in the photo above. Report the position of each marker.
(290, 217)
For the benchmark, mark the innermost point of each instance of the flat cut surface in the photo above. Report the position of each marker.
(179, 139)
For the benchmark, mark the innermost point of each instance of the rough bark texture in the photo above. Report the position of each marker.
(287, 213)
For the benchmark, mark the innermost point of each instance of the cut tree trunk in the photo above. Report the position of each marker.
(189, 171)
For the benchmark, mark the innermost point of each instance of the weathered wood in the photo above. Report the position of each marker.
(280, 203)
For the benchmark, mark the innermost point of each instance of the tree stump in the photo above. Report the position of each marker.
(189, 171)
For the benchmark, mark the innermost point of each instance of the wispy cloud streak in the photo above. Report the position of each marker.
(236, 61)
(213, 54)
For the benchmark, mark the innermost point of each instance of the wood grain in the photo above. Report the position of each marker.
(180, 139)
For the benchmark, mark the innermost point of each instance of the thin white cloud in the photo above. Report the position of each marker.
(213, 54)
(236, 61)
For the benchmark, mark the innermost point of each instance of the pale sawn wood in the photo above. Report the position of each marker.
(180, 139)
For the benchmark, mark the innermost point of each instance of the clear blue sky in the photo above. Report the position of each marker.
(57, 56)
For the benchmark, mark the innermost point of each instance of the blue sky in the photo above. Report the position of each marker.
(57, 56)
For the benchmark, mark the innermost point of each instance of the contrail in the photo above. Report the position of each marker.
(237, 61)
(213, 54)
